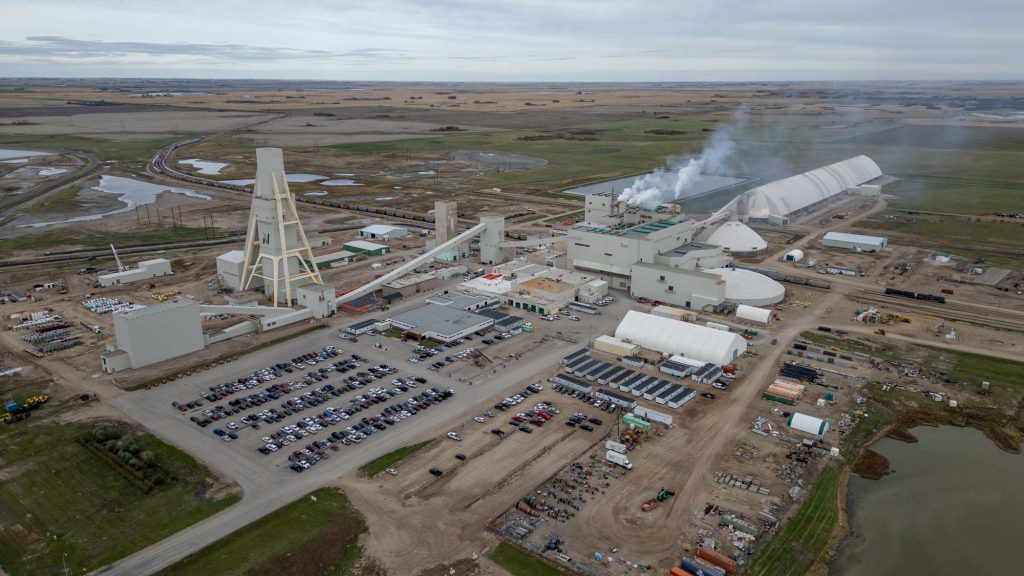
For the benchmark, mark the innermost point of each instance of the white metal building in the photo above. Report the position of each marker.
(441, 323)
(858, 242)
(738, 239)
(674, 337)
(613, 345)
(673, 313)
(383, 232)
(686, 288)
(807, 424)
(783, 197)
(794, 255)
(147, 269)
(753, 314)
(319, 298)
(750, 288)
(155, 333)
(230, 266)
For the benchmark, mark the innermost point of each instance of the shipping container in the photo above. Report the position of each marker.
(615, 446)
(677, 571)
(779, 399)
(718, 559)
(653, 416)
(717, 326)
(699, 567)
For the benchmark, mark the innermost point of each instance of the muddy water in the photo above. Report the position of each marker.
(955, 505)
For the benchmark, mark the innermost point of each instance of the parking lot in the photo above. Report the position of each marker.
(267, 480)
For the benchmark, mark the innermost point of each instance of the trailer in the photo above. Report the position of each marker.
(606, 377)
(652, 392)
(660, 417)
(581, 370)
(615, 446)
(618, 459)
(575, 356)
(581, 307)
(623, 376)
(681, 397)
(668, 393)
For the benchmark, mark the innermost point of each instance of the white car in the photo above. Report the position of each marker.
(455, 436)
(480, 419)
(232, 426)
(272, 447)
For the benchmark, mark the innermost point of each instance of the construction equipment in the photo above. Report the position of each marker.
(120, 267)
(653, 503)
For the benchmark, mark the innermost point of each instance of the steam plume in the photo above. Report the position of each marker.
(672, 183)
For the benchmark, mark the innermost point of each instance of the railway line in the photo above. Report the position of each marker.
(1003, 318)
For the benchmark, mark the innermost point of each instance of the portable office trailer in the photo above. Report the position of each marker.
(675, 369)
(585, 367)
(606, 377)
(649, 384)
(615, 398)
(628, 385)
(652, 392)
(653, 416)
(667, 393)
(575, 355)
(581, 307)
(577, 363)
(623, 376)
(634, 361)
(681, 397)
(593, 372)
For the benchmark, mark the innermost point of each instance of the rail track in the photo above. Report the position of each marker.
(1003, 318)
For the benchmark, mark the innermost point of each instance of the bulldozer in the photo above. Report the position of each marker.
(653, 503)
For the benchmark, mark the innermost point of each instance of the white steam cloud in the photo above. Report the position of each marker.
(673, 183)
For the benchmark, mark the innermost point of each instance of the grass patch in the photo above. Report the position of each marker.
(799, 543)
(224, 357)
(612, 150)
(62, 499)
(305, 538)
(118, 150)
(519, 563)
(374, 467)
(64, 238)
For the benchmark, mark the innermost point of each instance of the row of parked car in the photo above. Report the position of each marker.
(315, 451)
(594, 401)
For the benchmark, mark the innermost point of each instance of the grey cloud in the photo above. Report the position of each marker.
(58, 47)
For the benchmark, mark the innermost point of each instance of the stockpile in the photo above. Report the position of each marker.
(784, 392)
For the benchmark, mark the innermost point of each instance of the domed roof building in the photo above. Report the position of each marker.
(750, 288)
(738, 239)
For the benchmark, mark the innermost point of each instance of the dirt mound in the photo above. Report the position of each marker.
(872, 465)
(1004, 438)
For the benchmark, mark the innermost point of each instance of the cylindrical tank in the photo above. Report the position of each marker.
(718, 559)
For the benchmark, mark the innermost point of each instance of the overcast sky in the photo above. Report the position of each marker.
(515, 40)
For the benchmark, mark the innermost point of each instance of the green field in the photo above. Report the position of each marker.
(603, 151)
(59, 498)
(519, 563)
(305, 538)
(117, 150)
(374, 467)
(65, 237)
(795, 547)
(1000, 243)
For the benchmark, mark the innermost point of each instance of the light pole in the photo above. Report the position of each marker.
(64, 561)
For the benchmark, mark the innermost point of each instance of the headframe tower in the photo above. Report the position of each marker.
(277, 253)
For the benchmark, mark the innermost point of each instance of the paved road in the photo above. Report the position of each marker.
(268, 484)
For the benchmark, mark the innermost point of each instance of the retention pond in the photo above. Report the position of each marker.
(952, 505)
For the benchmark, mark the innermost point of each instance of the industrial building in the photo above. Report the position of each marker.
(154, 333)
(410, 285)
(613, 345)
(794, 255)
(738, 239)
(437, 322)
(146, 269)
(534, 287)
(463, 301)
(856, 242)
(750, 288)
(669, 336)
(230, 267)
(776, 200)
(361, 327)
(383, 232)
(366, 248)
(319, 299)
(686, 288)
(332, 259)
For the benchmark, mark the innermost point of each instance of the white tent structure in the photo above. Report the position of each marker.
(670, 336)
(754, 314)
(807, 424)
(791, 194)
(794, 255)
(750, 288)
(737, 238)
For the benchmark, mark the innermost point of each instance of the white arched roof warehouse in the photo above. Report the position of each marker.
(788, 195)
(750, 288)
(738, 238)
(670, 336)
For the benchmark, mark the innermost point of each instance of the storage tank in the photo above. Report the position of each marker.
(718, 559)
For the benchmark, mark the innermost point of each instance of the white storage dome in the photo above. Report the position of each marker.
(750, 288)
(738, 238)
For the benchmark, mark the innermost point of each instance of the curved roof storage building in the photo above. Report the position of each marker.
(670, 336)
(807, 424)
(750, 288)
(738, 239)
(782, 197)
(753, 314)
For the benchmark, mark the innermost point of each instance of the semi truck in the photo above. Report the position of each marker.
(620, 459)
